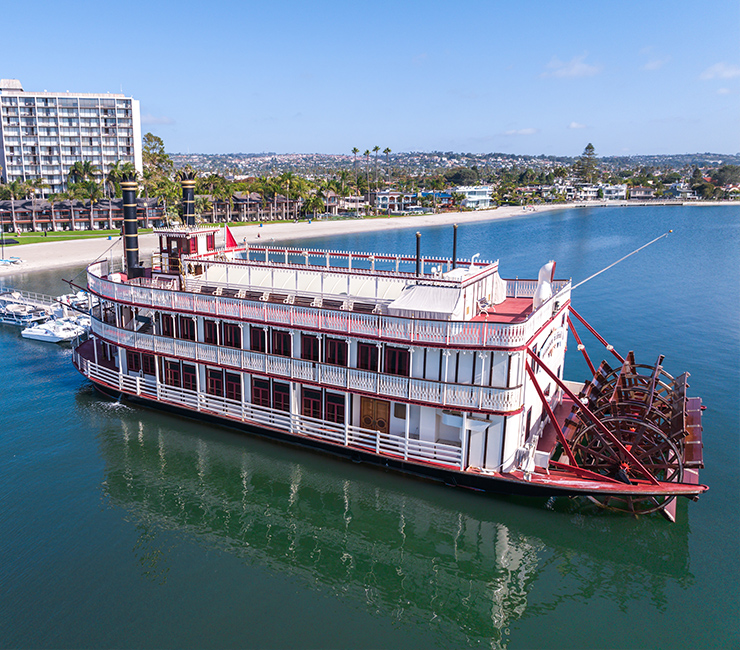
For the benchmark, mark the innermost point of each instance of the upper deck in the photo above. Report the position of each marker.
(349, 293)
(432, 288)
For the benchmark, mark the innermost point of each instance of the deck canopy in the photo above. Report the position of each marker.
(428, 302)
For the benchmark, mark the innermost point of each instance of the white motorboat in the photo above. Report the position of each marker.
(54, 331)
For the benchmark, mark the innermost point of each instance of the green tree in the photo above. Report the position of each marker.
(154, 155)
(82, 170)
(376, 149)
(355, 151)
(313, 204)
(727, 174)
(16, 189)
(87, 190)
(437, 185)
(35, 186)
(585, 167)
(461, 176)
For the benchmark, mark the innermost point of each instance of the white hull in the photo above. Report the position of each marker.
(53, 332)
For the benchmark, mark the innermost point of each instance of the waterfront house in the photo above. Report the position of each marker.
(641, 193)
(477, 197)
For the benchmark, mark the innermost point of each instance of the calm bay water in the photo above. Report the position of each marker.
(123, 527)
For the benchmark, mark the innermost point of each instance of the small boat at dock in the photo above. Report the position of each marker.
(56, 330)
(17, 309)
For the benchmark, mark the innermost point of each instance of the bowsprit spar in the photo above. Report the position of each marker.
(631, 424)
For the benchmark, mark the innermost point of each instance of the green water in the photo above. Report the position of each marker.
(122, 527)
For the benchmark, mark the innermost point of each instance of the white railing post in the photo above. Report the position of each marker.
(464, 440)
(347, 415)
(406, 433)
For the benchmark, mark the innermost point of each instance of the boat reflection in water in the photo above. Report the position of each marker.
(475, 564)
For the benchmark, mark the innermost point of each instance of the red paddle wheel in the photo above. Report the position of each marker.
(633, 424)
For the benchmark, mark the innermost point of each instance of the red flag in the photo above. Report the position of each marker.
(230, 241)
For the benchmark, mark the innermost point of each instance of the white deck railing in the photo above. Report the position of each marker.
(456, 334)
(347, 435)
(457, 396)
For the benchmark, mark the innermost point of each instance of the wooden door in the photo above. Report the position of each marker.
(375, 414)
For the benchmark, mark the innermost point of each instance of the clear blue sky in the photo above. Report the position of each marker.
(530, 77)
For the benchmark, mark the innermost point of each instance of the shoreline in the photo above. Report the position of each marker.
(79, 252)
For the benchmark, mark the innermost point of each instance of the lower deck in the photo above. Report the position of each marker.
(447, 462)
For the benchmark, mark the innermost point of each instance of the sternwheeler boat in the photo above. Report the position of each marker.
(435, 367)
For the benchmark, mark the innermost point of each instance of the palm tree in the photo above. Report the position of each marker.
(212, 182)
(376, 148)
(367, 171)
(35, 185)
(355, 151)
(343, 174)
(201, 205)
(436, 184)
(115, 173)
(387, 151)
(286, 178)
(16, 189)
(314, 203)
(90, 191)
(82, 171)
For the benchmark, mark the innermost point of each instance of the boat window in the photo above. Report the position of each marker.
(133, 361)
(147, 364)
(281, 343)
(281, 396)
(335, 408)
(311, 405)
(367, 356)
(168, 325)
(257, 339)
(187, 328)
(188, 377)
(397, 361)
(309, 347)
(172, 373)
(215, 382)
(209, 332)
(260, 392)
(232, 335)
(336, 352)
(233, 387)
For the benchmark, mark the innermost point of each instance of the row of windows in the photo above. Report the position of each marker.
(397, 361)
(265, 392)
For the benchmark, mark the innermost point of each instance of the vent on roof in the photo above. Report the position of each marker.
(10, 84)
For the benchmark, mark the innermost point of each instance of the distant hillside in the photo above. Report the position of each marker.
(258, 164)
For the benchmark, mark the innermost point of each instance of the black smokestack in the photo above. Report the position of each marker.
(130, 226)
(418, 254)
(454, 247)
(187, 179)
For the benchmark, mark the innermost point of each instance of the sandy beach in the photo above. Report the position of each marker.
(47, 255)
(81, 252)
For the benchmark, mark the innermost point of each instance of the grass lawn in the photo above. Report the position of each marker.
(64, 235)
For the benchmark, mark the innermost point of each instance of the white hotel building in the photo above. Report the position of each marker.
(42, 134)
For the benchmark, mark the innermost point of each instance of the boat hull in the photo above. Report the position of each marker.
(529, 485)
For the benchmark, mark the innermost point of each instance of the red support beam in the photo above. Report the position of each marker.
(551, 415)
(604, 431)
(581, 347)
(597, 335)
